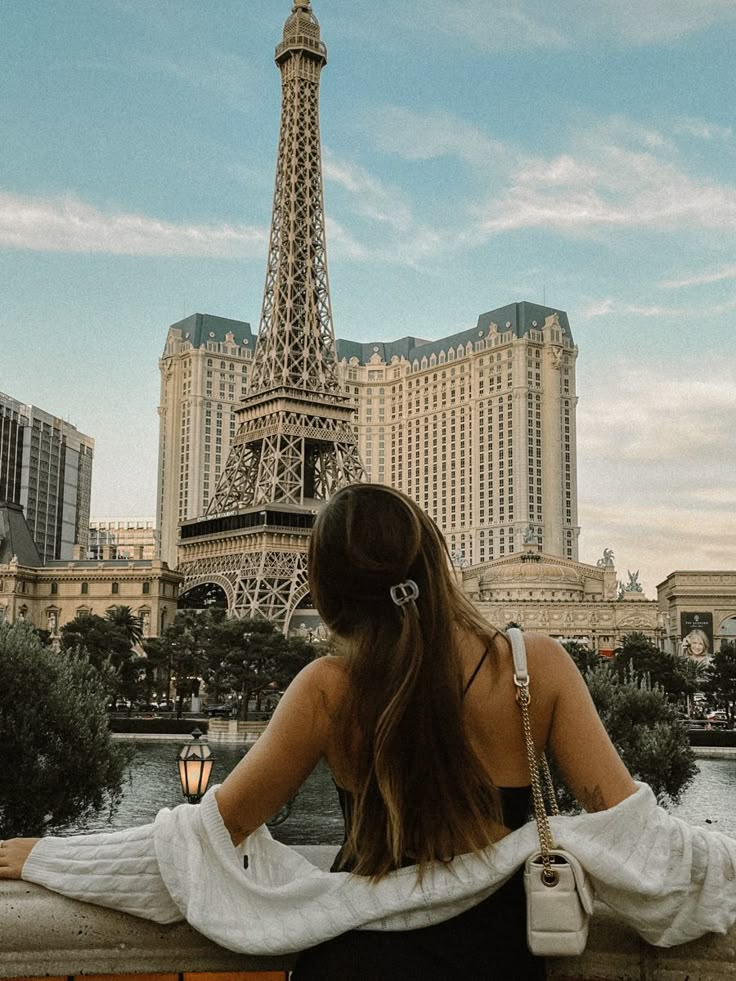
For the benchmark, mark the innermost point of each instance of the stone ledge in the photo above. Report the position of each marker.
(42, 933)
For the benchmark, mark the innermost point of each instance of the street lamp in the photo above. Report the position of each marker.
(195, 761)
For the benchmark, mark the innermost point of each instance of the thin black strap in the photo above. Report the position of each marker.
(475, 672)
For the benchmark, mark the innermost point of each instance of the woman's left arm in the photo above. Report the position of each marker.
(13, 855)
(265, 779)
(283, 757)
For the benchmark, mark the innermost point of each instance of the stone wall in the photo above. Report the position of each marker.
(45, 934)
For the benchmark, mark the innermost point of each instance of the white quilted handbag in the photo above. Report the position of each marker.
(559, 897)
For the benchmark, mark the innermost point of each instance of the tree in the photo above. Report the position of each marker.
(677, 676)
(644, 728)
(107, 644)
(129, 625)
(721, 678)
(101, 640)
(251, 657)
(585, 659)
(184, 648)
(61, 763)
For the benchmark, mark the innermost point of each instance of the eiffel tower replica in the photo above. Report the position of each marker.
(295, 444)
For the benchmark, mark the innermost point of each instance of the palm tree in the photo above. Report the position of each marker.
(130, 626)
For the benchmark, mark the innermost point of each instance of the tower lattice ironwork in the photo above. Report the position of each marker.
(295, 444)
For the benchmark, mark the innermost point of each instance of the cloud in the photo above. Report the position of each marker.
(617, 308)
(227, 76)
(489, 27)
(650, 21)
(656, 471)
(66, 224)
(389, 234)
(436, 133)
(701, 128)
(702, 278)
(618, 175)
(528, 24)
(373, 199)
(343, 244)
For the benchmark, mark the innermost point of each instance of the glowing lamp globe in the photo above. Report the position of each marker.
(195, 767)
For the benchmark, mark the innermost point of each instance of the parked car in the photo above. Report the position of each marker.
(717, 717)
(146, 706)
(217, 711)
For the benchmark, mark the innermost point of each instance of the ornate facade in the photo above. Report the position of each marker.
(698, 600)
(478, 427)
(49, 595)
(566, 599)
(204, 372)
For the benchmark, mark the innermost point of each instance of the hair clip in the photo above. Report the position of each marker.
(404, 592)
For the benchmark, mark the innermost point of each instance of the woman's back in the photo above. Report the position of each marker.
(491, 714)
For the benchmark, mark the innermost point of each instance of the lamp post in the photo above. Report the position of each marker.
(195, 761)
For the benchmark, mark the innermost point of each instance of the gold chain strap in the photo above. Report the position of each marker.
(546, 842)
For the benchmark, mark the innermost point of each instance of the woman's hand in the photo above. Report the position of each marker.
(13, 855)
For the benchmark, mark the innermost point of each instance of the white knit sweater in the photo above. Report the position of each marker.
(670, 881)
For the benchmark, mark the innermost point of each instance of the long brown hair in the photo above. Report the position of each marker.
(420, 785)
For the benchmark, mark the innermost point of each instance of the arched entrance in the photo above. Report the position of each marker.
(727, 629)
(304, 621)
(204, 596)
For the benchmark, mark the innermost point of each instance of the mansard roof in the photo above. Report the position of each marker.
(523, 317)
(202, 328)
(519, 318)
(386, 350)
(15, 537)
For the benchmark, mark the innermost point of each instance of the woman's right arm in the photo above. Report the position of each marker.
(581, 747)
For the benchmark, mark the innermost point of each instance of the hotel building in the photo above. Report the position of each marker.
(477, 427)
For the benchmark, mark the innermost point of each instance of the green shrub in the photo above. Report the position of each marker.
(60, 763)
(646, 731)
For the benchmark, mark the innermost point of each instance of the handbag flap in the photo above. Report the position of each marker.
(582, 882)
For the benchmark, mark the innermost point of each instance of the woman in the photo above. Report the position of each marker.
(696, 644)
(419, 725)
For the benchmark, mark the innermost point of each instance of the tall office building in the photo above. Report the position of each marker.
(477, 427)
(46, 467)
(122, 538)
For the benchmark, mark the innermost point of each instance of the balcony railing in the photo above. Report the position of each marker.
(44, 935)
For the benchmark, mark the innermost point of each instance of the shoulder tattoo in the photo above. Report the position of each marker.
(592, 799)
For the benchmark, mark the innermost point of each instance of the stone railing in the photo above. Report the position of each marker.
(233, 731)
(43, 934)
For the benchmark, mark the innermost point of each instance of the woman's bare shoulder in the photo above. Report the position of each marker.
(326, 676)
(550, 666)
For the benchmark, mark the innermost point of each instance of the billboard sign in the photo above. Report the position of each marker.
(696, 630)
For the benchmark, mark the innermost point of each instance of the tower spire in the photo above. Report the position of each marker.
(295, 444)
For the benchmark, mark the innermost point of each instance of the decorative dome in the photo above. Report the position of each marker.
(538, 577)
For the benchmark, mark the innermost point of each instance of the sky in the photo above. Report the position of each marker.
(475, 153)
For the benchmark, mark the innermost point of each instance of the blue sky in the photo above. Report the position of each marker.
(475, 153)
